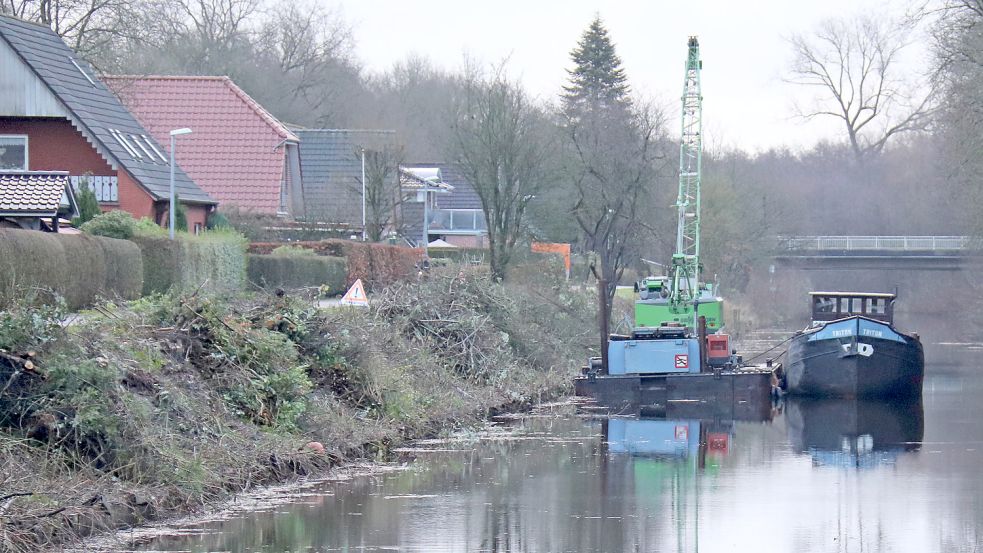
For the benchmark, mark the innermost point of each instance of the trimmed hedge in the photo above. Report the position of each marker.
(298, 271)
(78, 267)
(375, 264)
(214, 261)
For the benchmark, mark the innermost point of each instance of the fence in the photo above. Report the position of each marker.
(879, 243)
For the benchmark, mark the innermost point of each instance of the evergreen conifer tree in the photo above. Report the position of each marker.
(88, 205)
(598, 80)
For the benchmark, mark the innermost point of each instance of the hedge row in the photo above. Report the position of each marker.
(78, 267)
(375, 264)
(214, 261)
(294, 271)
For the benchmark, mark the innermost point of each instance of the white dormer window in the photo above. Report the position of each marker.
(13, 152)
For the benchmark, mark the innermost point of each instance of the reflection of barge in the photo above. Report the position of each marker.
(854, 432)
(853, 350)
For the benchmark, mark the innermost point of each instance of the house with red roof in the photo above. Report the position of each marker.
(237, 151)
(56, 115)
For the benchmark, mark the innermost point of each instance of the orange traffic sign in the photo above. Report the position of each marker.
(355, 295)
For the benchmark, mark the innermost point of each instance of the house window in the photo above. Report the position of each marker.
(13, 152)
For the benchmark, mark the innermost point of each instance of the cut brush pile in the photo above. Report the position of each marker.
(166, 404)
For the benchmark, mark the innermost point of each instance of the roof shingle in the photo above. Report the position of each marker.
(331, 167)
(236, 150)
(32, 193)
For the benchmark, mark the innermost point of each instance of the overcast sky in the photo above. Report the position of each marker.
(746, 103)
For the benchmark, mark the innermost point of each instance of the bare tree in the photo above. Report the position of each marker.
(855, 65)
(88, 26)
(382, 187)
(613, 148)
(616, 156)
(499, 142)
(957, 30)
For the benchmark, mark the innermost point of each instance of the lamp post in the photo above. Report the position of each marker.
(174, 134)
(363, 195)
(426, 220)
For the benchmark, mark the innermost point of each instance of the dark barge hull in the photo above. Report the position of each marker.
(743, 394)
(821, 364)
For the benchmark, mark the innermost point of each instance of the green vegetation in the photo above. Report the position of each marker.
(88, 206)
(295, 270)
(217, 220)
(213, 261)
(164, 404)
(77, 268)
(180, 215)
(112, 224)
(293, 251)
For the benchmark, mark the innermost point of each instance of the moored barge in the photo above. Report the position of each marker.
(852, 349)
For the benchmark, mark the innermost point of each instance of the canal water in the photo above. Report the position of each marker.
(820, 476)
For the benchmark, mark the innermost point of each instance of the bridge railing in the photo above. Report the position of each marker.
(880, 243)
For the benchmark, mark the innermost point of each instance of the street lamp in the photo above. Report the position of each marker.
(363, 195)
(174, 134)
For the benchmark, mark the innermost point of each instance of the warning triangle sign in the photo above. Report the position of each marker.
(355, 295)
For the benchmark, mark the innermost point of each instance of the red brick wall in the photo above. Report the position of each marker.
(196, 214)
(55, 145)
(466, 241)
(134, 199)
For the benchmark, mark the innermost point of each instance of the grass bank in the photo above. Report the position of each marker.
(164, 405)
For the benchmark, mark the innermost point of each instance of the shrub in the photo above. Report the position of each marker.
(180, 215)
(28, 323)
(214, 261)
(295, 271)
(86, 261)
(161, 262)
(293, 250)
(77, 267)
(124, 268)
(88, 205)
(217, 220)
(376, 264)
(114, 224)
(146, 227)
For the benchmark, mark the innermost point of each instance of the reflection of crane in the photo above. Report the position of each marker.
(675, 298)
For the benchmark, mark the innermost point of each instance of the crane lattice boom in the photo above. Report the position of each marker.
(686, 260)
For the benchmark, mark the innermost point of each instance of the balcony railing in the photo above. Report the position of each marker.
(105, 188)
(460, 221)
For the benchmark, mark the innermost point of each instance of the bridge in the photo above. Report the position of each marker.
(947, 253)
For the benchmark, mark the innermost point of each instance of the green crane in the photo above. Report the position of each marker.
(685, 266)
(676, 297)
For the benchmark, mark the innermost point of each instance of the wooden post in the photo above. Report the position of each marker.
(602, 317)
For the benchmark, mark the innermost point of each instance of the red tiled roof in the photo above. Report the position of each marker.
(233, 151)
(32, 193)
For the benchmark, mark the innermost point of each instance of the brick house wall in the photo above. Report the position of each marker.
(55, 145)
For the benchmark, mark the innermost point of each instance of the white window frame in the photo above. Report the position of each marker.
(27, 150)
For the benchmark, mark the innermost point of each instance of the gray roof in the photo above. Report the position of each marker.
(97, 110)
(462, 197)
(331, 170)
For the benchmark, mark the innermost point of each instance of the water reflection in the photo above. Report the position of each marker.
(854, 433)
(816, 476)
